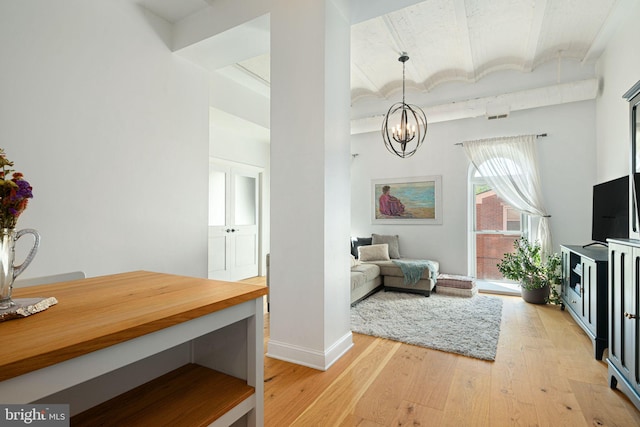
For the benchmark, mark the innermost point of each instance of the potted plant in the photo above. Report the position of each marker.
(538, 278)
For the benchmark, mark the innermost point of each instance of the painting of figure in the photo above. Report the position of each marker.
(408, 200)
(390, 205)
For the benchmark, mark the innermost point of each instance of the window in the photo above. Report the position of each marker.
(495, 225)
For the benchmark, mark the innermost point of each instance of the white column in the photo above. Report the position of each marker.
(310, 181)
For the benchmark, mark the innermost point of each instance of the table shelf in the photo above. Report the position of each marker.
(189, 396)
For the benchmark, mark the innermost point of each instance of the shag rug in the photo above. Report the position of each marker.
(467, 326)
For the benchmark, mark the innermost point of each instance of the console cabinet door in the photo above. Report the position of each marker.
(565, 272)
(631, 317)
(588, 302)
(571, 280)
(620, 271)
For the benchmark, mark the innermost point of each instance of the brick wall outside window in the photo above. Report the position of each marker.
(491, 214)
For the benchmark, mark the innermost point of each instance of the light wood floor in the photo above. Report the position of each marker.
(544, 375)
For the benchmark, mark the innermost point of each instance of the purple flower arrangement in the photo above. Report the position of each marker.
(15, 193)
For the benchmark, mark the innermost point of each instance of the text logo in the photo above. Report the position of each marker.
(34, 415)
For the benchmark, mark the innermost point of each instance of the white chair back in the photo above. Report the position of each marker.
(43, 280)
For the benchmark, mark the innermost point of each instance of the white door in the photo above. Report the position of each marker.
(233, 222)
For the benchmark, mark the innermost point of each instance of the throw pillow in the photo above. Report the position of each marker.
(356, 242)
(392, 241)
(374, 252)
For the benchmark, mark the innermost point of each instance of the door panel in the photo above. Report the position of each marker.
(246, 247)
(217, 252)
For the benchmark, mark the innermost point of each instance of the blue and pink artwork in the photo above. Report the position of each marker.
(410, 199)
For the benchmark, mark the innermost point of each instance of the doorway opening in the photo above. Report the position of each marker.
(494, 227)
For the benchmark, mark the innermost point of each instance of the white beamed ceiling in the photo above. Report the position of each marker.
(467, 57)
(465, 40)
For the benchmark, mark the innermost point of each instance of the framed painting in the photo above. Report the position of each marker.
(407, 200)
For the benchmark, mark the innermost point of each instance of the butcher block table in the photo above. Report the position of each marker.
(140, 348)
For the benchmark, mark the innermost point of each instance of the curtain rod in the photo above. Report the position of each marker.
(540, 135)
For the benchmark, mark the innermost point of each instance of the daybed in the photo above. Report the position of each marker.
(365, 280)
(378, 253)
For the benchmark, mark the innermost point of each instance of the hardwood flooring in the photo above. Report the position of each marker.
(544, 375)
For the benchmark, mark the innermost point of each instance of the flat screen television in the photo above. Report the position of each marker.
(610, 210)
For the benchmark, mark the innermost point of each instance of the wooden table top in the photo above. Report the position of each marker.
(98, 312)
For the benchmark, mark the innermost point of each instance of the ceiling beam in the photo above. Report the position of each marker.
(363, 10)
(220, 16)
(539, 10)
(463, 34)
(516, 101)
(248, 40)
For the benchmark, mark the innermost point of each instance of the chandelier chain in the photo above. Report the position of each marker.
(403, 68)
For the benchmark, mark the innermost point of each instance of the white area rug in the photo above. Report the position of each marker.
(467, 326)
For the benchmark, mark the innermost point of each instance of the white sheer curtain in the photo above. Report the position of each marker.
(510, 166)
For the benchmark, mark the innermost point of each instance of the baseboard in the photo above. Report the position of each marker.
(308, 357)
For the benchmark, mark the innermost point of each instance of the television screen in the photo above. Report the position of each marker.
(610, 210)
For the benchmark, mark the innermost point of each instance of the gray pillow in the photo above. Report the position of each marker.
(392, 241)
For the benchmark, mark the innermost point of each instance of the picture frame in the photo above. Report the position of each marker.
(416, 200)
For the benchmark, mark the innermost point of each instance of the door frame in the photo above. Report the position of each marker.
(525, 227)
(260, 171)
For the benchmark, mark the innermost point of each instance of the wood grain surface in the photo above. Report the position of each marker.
(190, 396)
(98, 312)
(544, 375)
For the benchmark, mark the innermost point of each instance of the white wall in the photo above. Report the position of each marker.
(567, 167)
(111, 130)
(618, 69)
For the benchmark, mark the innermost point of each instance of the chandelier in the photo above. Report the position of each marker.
(405, 137)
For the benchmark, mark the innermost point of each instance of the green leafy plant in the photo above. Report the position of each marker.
(527, 267)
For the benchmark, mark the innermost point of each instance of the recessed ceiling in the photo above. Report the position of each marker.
(460, 50)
